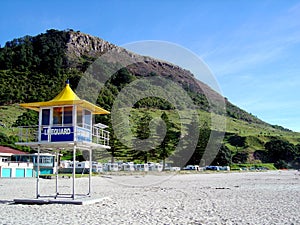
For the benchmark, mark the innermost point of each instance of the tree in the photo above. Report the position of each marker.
(280, 150)
(122, 78)
(281, 164)
(188, 143)
(223, 157)
(142, 142)
(4, 139)
(297, 150)
(201, 146)
(237, 140)
(28, 118)
(240, 157)
(170, 140)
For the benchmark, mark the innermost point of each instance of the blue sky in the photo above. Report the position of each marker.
(252, 47)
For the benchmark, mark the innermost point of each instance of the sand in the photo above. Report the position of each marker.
(218, 198)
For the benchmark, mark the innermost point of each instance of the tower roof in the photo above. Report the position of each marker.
(66, 97)
(67, 94)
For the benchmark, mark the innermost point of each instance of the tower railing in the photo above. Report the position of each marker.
(31, 134)
(28, 133)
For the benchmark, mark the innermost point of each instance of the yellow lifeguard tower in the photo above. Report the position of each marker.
(65, 122)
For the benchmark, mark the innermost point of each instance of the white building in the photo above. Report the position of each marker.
(9, 168)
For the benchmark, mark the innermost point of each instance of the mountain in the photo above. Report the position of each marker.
(61, 54)
(35, 68)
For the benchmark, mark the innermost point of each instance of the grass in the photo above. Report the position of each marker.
(253, 166)
(257, 134)
(8, 116)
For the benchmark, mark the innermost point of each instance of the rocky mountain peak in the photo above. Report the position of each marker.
(80, 44)
(85, 46)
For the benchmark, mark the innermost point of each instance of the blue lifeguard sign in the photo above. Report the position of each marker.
(65, 122)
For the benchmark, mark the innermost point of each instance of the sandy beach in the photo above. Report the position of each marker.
(218, 198)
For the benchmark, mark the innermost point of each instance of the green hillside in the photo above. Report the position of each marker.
(35, 68)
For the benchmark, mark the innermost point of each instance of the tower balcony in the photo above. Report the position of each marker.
(61, 136)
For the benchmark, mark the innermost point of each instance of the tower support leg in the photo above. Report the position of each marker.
(74, 172)
(90, 170)
(38, 173)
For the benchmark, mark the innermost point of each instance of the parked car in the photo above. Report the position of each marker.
(141, 167)
(192, 167)
(212, 168)
(225, 168)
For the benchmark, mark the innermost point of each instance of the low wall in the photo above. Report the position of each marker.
(15, 169)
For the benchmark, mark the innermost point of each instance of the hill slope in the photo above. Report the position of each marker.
(57, 55)
(35, 68)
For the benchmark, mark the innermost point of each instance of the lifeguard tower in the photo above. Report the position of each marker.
(65, 122)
